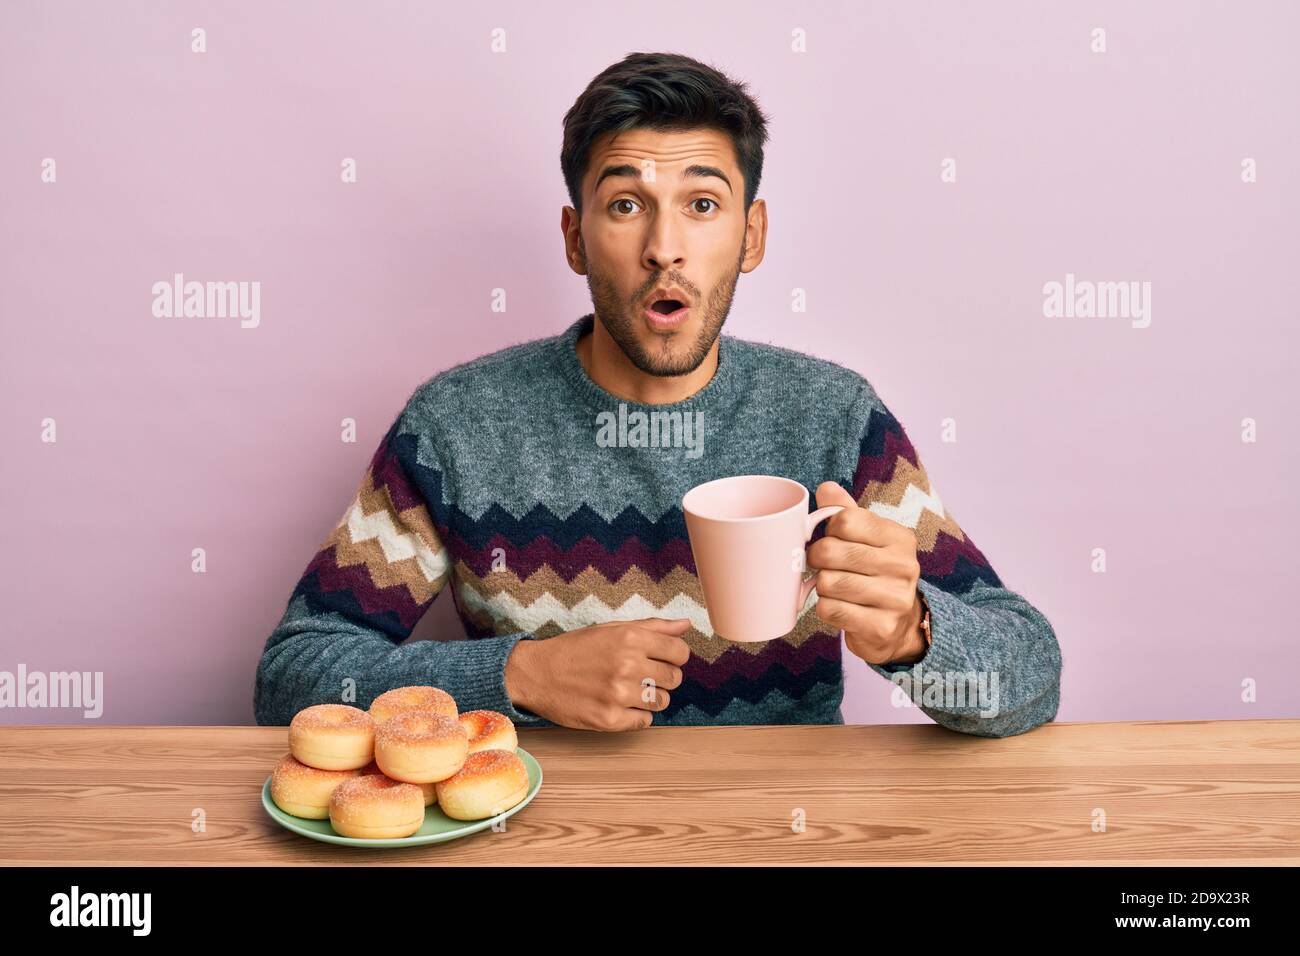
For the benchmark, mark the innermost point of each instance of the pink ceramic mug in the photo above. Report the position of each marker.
(748, 535)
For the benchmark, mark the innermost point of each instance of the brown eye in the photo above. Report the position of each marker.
(704, 199)
(616, 202)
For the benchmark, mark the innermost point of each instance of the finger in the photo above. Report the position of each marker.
(643, 697)
(665, 675)
(844, 586)
(664, 625)
(829, 493)
(886, 593)
(868, 624)
(653, 675)
(666, 647)
(860, 524)
(631, 718)
(844, 555)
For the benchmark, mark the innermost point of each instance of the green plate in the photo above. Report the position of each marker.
(437, 826)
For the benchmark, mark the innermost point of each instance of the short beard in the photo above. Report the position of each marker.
(621, 324)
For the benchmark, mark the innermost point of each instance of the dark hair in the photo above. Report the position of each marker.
(664, 92)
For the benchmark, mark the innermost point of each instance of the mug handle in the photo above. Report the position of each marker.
(814, 519)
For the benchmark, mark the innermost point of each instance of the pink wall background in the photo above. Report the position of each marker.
(1072, 433)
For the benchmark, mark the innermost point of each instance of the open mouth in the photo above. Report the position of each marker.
(667, 306)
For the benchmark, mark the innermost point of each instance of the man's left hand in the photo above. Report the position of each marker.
(867, 581)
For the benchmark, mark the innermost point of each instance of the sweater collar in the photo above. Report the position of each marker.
(717, 390)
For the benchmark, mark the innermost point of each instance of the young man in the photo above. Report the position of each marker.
(562, 536)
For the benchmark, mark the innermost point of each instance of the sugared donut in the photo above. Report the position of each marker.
(401, 699)
(419, 746)
(332, 737)
(491, 782)
(373, 807)
(430, 795)
(489, 730)
(304, 791)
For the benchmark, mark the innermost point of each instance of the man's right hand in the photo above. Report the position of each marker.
(598, 677)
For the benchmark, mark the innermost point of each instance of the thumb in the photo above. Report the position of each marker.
(829, 493)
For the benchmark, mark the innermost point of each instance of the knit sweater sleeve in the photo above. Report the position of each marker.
(981, 630)
(363, 593)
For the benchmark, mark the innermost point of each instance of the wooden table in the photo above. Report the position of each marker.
(1188, 792)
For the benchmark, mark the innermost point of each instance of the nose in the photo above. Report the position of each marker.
(663, 247)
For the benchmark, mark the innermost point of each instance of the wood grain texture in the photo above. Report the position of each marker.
(1174, 793)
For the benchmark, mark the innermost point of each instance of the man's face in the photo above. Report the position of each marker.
(663, 210)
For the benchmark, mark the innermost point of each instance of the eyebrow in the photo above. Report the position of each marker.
(694, 171)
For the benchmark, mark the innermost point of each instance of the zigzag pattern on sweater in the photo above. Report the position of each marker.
(398, 543)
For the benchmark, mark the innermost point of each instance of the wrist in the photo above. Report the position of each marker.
(517, 674)
(918, 642)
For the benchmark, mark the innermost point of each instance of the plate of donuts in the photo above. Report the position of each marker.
(410, 770)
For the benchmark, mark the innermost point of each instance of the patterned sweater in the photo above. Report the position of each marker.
(524, 486)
